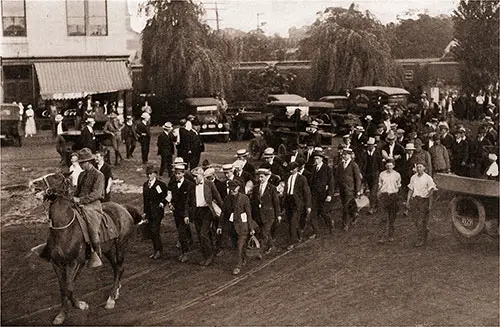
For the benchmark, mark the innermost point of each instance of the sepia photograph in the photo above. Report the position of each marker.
(249, 163)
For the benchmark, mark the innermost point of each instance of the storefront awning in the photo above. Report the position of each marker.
(77, 79)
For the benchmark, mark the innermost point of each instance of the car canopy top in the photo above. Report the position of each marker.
(383, 89)
(285, 97)
(199, 102)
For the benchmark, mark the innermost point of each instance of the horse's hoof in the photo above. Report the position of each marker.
(59, 319)
(82, 305)
(110, 304)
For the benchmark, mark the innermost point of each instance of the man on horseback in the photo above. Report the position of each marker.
(88, 195)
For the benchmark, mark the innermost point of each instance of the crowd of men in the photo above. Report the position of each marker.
(392, 160)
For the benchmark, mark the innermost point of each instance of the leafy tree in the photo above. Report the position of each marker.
(348, 48)
(425, 37)
(477, 36)
(181, 56)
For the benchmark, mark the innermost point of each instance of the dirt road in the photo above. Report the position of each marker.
(344, 279)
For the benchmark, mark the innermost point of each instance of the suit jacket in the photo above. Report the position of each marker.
(129, 132)
(448, 141)
(299, 154)
(398, 150)
(301, 193)
(238, 205)
(90, 186)
(88, 139)
(143, 130)
(377, 164)
(181, 197)
(460, 152)
(250, 169)
(222, 186)
(186, 143)
(492, 136)
(349, 178)
(321, 182)
(265, 206)
(211, 195)
(166, 144)
(152, 197)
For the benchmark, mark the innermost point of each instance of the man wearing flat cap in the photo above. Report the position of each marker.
(154, 193)
(180, 191)
(265, 207)
(440, 158)
(166, 148)
(205, 204)
(88, 194)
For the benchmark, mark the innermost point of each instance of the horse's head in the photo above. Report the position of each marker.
(50, 186)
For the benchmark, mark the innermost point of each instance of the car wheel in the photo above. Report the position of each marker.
(468, 218)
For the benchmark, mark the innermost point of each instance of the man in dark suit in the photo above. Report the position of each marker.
(297, 200)
(129, 135)
(348, 180)
(180, 191)
(308, 155)
(236, 212)
(105, 169)
(358, 138)
(265, 207)
(154, 194)
(166, 148)
(276, 166)
(87, 137)
(186, 143)
(197, 149)
(314, 134)
(370, 164)
(460, 153)
(295, 155)
(144, 134)
(222, 185)
(205, 206)
(446, 138)
(321, 185)
(393, 150)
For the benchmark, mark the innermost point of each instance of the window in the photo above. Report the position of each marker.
(87, 17)
(13, 18)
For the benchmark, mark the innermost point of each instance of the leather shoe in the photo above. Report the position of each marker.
(183, 258)
(290, 247)
(313, 236)
(236, 271)
(157, 255)
(268, 251)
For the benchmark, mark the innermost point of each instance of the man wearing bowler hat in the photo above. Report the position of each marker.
(180, 191)
(154, 194)
(166, 148)
(88, 194)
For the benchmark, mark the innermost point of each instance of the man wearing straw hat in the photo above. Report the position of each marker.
(242, 155)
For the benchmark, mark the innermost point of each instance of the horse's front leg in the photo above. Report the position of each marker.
(65, 303)
(72, 272)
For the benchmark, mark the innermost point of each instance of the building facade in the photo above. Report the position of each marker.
(64, 50)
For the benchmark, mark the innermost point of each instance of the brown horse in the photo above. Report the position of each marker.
(66, 248)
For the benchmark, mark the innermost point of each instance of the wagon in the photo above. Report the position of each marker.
(474, 207)
(10, 123)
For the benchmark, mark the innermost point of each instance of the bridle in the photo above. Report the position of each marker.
(62, 227)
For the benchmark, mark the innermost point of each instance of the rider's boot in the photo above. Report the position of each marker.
(96, 254)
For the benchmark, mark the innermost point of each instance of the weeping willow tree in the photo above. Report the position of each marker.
(181, 56)
(348, 48)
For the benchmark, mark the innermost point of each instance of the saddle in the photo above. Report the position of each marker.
(107, 230)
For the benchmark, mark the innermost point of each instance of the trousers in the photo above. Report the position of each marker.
(203, 219)
(421, 213)
(390, 203)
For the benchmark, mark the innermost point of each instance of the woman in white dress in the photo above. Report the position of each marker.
(30, 128)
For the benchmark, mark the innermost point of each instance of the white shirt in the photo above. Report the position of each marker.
(294, 157)
(422, 185)
(346, 163)
(90, 129)
(150, 183)
(262, 187)
(492, 170)
(389, 182)
(200, 196)
(59, 129)
(391, 149)
(75, 172)
(291, 183)
(318, 167)
(179, 183)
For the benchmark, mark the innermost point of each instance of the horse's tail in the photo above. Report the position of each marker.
(136, 215)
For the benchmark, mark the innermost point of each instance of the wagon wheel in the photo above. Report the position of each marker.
(254, 149)
(468, 218)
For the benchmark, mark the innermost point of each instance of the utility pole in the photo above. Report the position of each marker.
(217, 16)
(217, 10)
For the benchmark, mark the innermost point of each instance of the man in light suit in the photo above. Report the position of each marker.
(205, 204)
(321, 185)
(265, 207)
(236, 212)
(297, 200)
(348, 180)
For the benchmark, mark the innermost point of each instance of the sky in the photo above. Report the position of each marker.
(280, 15)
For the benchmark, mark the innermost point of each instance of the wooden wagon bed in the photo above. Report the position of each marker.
(467, 185)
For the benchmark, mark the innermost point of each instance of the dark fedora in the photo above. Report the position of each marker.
(85, 155)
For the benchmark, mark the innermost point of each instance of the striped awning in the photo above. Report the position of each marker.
(77, 79)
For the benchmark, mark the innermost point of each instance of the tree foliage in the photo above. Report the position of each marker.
(425, 37)
(348, 48)
(477, 36)
(256, 46)
(181, 56)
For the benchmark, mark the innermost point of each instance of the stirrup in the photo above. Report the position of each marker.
(94, 260)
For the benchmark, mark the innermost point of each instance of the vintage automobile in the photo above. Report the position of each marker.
(474, 207)
(369, 100)
(10, 123)
(212, 122)
(288, 125)
(245, 117)
(334, 113)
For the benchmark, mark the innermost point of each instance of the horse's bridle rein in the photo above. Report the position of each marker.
(65, 226)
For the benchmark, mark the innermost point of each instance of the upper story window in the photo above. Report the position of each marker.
(87, 17)
(13, 18)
